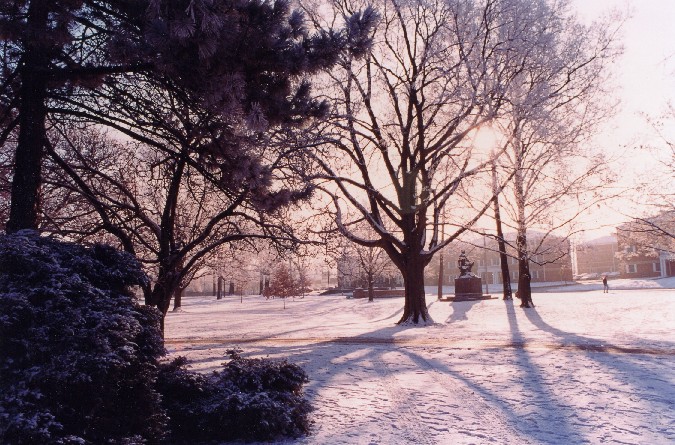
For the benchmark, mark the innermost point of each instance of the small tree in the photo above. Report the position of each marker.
(282, 283)
(373, 262)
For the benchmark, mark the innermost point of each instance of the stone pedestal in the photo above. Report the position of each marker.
(469, 287)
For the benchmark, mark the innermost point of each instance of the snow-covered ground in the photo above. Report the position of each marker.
(581, 367)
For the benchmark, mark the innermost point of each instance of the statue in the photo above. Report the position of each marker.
(468, 286)
(464, 265)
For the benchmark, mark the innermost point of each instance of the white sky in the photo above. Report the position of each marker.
(647, 68)
(646, 81)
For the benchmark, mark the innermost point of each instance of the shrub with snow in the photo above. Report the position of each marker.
(78, 355)
(250, 399)
(79, 361)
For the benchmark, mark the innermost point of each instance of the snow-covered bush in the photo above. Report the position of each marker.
(79, 361)
(78, 355)
(250, 399)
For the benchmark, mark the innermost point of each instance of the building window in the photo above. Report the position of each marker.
(656, 267)
(630, 249)
(631, 268)
(535, 274)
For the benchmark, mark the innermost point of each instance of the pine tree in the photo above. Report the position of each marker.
(234, 58)
(282, 283)
(55, 45)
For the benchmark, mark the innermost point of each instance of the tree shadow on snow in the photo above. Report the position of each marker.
(634, 378)
(547, 418)
(363, 357)
(536, 390)
(460, 309)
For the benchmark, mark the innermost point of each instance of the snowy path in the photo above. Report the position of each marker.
(486, 373)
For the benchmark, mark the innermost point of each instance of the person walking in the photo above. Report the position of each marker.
(605, 286)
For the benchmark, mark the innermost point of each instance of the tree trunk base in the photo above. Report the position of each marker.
(423, 319)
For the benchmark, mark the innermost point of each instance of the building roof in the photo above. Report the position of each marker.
(609, 239)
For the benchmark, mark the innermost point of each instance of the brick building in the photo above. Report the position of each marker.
(550, 263)
(596, 257)
(644, 252)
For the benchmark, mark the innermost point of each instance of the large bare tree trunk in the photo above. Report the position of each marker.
(415, 307)
(25, 199)
(524, 289)
(167, 286)
(371, 290)
(501, 245)
(439, 292)
(161, 294)
(178, 298)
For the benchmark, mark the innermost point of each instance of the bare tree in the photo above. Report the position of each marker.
(373, 262)
(554, 105)
(649, 236)
(362, 264)
(398, 147)
(161, 209)
(655, 227)
(208, 165)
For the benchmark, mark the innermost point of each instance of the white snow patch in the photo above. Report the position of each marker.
(581, 367)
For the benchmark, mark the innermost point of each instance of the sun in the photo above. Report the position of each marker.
(486, 138)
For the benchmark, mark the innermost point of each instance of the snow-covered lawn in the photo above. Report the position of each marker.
(582, 367)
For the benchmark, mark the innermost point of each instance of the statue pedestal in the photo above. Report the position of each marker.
(469, 287)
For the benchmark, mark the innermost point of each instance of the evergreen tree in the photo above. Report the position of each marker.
(234, 58)
(55, 45)
(282, 283)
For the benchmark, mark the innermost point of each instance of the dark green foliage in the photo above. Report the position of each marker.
(250, 399)
(78, 355)
(247, 54)
(79, 360)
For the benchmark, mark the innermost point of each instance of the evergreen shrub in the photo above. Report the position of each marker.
(78, 355)
(80, 361)
(249, 399)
